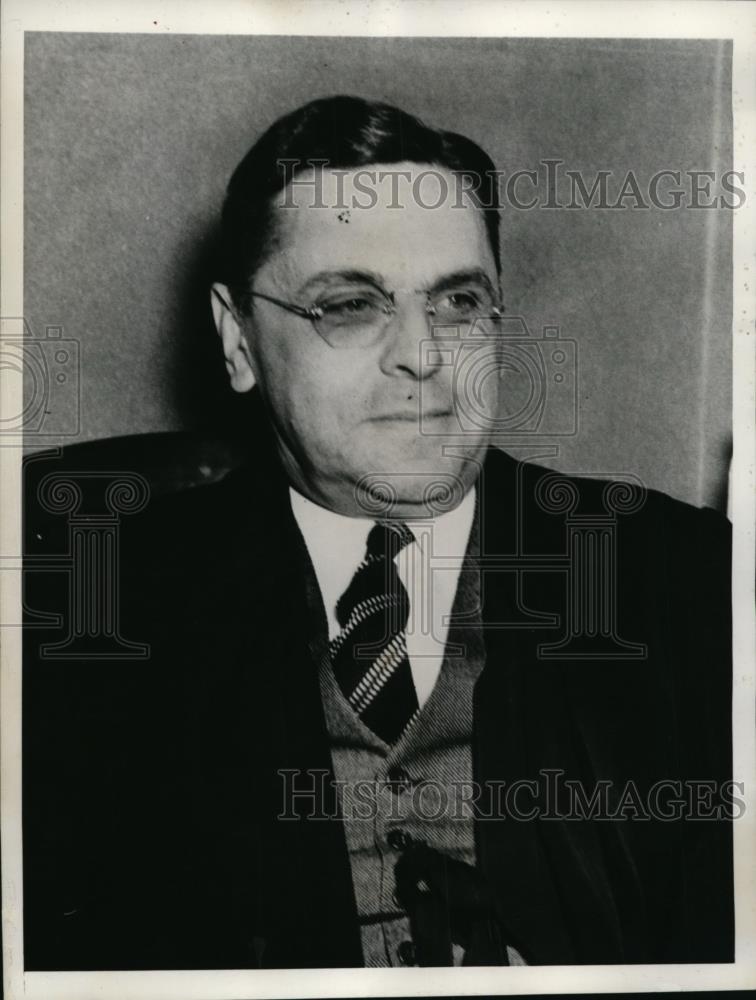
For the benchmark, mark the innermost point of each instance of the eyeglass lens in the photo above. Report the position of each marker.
(356, 315)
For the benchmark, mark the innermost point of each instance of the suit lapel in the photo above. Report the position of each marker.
(550, 872)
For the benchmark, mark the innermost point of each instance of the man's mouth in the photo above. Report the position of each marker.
(407, 416)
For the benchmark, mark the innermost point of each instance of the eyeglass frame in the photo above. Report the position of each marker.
(314, 311)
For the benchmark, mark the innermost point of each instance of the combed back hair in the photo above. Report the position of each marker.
(346, 133)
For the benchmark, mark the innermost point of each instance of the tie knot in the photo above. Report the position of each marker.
(386, 538)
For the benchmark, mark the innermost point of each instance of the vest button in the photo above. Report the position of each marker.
(406, 953)
(399, 840)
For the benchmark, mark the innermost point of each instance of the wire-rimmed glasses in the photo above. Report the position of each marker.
(357, 315)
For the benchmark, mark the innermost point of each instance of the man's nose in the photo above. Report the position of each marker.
(406, 340)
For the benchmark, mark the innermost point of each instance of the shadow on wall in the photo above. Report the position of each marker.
(200, 391)
(721, 498)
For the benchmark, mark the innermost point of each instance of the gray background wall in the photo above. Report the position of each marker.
(130, 139)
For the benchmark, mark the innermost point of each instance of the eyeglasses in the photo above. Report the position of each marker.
(358, 315)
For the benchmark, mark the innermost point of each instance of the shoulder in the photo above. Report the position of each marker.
(210, 525)
(542, 496)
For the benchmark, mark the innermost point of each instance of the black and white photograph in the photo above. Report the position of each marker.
(377, 444)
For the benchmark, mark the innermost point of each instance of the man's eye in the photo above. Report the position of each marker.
(460, 303)
(354, 306)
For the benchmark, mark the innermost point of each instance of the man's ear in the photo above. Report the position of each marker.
(238, 361)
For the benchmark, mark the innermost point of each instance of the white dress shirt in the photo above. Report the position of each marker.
(337, 543)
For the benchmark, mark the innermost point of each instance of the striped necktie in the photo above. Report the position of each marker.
(369, 655)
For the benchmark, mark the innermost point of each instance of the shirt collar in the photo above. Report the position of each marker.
(336, 543)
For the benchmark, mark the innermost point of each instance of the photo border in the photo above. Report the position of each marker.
(659, 20)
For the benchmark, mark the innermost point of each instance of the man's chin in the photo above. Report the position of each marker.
(419, 485)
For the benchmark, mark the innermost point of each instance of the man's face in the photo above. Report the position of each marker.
(346, 417)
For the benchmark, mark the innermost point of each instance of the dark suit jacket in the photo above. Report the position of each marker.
(152, 788)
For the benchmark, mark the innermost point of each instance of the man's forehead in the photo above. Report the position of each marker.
(407, 221)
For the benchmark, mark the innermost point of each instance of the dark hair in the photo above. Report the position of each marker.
(346, 132)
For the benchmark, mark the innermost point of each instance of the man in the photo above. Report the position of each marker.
(377, 647)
